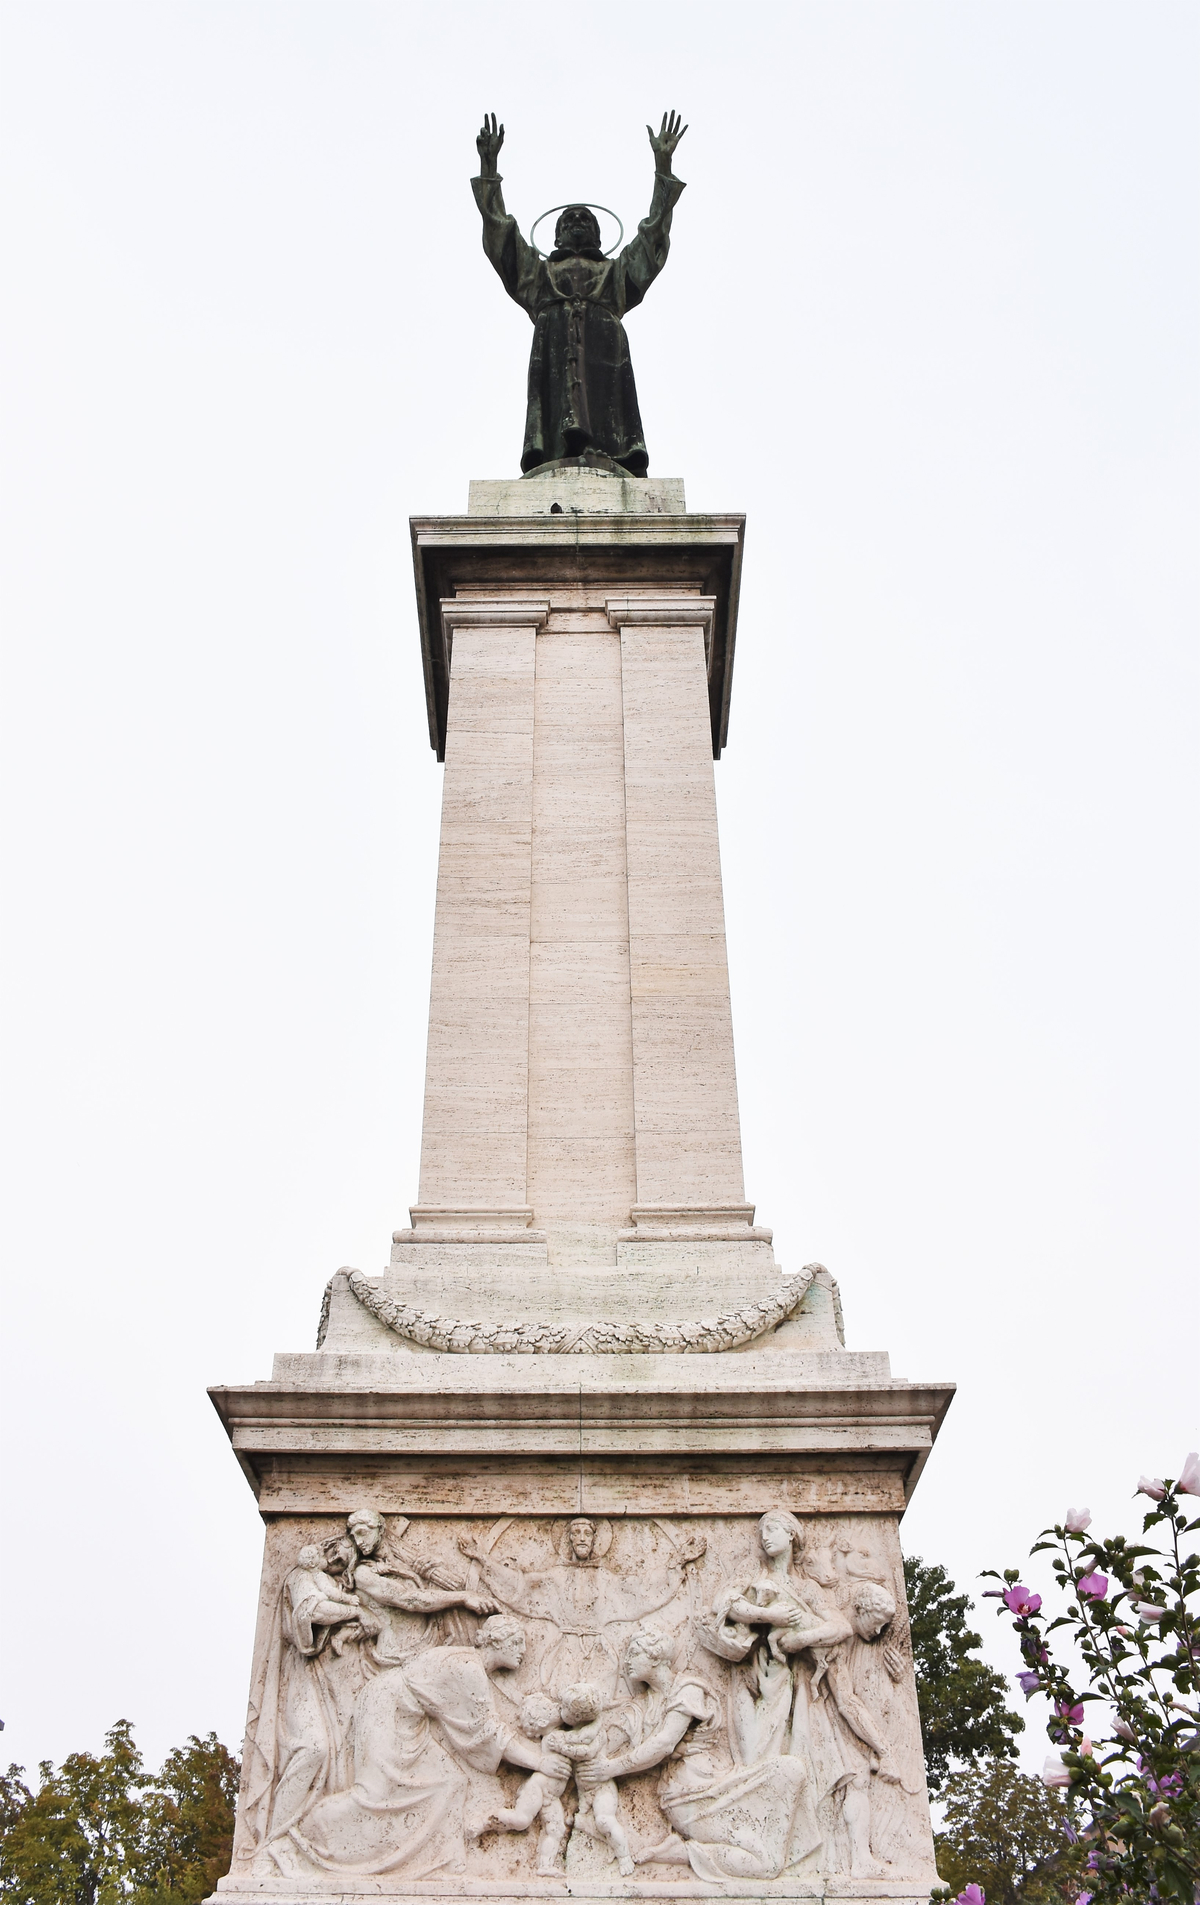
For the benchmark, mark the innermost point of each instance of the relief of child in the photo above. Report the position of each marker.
(324, 1602)
(572, 1728)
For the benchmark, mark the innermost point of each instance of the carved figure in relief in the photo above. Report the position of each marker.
(580, 1709)
(775, 1708)
(541, 1795)
(725, 1825)
(403, 1596)
(581, 1598)
(417, 1727)
(295, 1743)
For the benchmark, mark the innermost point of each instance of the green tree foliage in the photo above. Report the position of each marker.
(1006, 1833)
(101, 1831)
(964, 1718)
(189, 1821)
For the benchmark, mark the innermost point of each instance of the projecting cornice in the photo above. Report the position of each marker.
(539, 558)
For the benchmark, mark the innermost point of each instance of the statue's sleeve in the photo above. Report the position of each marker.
(639, 264)
(518, 264)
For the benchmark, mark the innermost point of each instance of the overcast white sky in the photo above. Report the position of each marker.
(930, 318)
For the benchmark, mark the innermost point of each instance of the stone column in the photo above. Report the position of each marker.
(581, 1127)
(688, 1138)
(473, 1151)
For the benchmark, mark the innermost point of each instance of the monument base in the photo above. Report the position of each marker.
(607, 1521)
(853, 1892)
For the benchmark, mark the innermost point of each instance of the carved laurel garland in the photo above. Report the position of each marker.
(729, 1330)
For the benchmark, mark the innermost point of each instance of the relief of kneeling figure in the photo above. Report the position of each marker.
(737, 1825)
(416, 1729)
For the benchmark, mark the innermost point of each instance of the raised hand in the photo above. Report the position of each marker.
(489, 142)
(664, 141)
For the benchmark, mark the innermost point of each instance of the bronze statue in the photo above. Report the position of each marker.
(582, 399)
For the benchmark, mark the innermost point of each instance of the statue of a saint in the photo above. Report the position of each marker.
(582, 398)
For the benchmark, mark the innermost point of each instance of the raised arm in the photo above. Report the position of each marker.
(516, 1588)
(646, 253)
(630, 1600)
(515, 262)
(392, 1591)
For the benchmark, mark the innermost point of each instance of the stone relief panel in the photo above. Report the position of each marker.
(612, 1702)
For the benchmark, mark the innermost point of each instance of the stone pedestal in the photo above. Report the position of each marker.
(584, 1479)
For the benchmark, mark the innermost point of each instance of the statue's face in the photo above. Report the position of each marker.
(582, 1537)
(775, 1537)
(869, 1625)
(638, 1664)
(504, 1656)
(340, 1554)
(870, 1620)
(366, 1535)
(577, 230)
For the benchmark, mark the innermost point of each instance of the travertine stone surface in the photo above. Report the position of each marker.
(578, 492)
(582, 1166)
(725, 1703)
(580, 1081)
(582, 1574)
(689, 1147)
(475, 1129)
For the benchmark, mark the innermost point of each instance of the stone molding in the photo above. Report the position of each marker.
(649, 551)
(706, 1335)
(447, 1224)
(666, 611)
(499, 612)
(697, 1223)
(453, 1410)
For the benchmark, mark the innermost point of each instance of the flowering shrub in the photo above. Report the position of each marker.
(1134, 1615)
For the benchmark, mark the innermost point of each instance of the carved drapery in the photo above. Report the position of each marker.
(726, 1697)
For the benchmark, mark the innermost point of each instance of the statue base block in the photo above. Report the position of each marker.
(704, 1547)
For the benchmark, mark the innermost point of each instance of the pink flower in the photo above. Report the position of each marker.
(1054, 1773)
(1083, 1898)
(1150, 1485)
(1145, 1611)
(1168, 1787)
(1020, 1601)
(1077, 1520)
(1124, 1731)
(973, 1895)
(1189, 1481)
(1028, 1683)
(1094, 1586)
(1085, 1747)
(1069, 1710)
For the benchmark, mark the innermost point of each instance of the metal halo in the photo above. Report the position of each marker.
(591, 208)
